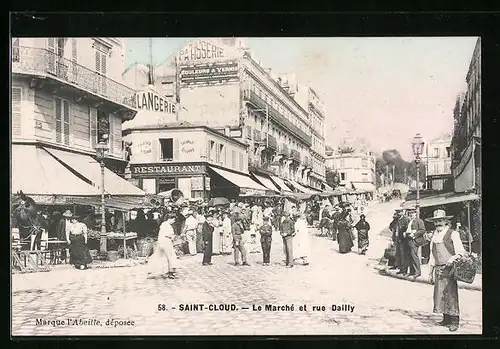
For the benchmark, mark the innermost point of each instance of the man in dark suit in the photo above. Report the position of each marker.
(62, 231)
(414, 238)
(402, 253)
(287, 231)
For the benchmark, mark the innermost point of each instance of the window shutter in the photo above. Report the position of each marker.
(74, 58)
(103, 64)
(66, 121)
(97, 61)
(16, 111)
(15, 49)
(58, 118)
(233, 159)
(176, 149)
(93, 126)
(209, 151)
(51, 43)
(117, 135)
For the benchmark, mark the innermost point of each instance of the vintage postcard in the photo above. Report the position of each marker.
(246, 186)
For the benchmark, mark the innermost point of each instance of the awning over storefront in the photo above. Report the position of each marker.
(327, 187)
(441, 199)
(36, 172)
(364, 187)
(266, 182)
(91, 169)
(301, 188)
(239, 180)
(119, 204)
(281, 184)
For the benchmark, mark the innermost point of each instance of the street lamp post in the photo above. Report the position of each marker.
(417, 146)
(101, 150)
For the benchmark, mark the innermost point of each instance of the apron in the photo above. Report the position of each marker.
(445, 286)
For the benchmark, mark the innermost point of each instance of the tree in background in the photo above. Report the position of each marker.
(332, 178)
(392, 158)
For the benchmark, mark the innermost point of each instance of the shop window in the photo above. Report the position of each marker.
(167, 149)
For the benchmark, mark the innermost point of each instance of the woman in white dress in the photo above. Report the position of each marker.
(164, 257)
(216, 237)
(227, 237)
(301, 243)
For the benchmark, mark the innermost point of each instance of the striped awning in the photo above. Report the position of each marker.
(441, 199)
(266, 182)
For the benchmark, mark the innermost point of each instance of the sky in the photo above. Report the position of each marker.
(384, 90)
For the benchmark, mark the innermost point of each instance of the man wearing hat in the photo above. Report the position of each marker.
(446, 247)
(62, 231)
(414, 238)
(190, 226)
(287, 231)
(402, 252)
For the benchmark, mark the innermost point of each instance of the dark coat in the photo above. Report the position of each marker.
(61, 230)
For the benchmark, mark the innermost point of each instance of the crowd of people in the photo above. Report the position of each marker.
(238, 227)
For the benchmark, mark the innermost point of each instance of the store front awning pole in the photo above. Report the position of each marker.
(124, 236)
(469, 226)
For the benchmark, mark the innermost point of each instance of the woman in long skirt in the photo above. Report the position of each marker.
(78, 250)
(344, 236)
(301, 243)
(164, 258)
(216, 237)
(446, 247)
(200, 245)
(362, 227)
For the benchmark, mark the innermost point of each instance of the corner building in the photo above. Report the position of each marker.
(220, 84)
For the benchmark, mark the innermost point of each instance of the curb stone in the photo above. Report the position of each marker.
(383, 271)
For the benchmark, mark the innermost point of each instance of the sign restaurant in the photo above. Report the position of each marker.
(164, 169)
(209, 73)
(152, 101)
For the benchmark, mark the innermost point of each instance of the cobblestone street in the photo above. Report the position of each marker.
(382, 305)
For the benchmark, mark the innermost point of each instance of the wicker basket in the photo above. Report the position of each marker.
(464, 268)
(145, 248)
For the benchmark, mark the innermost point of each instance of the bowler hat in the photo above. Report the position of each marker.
(438, 216)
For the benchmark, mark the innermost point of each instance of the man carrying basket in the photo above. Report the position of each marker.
(446, 248)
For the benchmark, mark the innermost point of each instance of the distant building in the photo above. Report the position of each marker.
(355, 170)
(219, 83)
(437, 160)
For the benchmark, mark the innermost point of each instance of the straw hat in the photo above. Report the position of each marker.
(439, 215)
(67, 214)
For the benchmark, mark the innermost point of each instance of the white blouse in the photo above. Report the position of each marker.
(438, 238)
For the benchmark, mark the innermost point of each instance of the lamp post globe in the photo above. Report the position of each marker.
(101, 150)
(417, 145)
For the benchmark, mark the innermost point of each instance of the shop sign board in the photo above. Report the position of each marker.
(208, 73)
(162, 169)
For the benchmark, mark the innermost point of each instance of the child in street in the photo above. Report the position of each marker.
(266, 232)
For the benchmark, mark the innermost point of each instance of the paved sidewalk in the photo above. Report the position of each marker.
(476, 285)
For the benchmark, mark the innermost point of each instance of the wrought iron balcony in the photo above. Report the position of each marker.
(295, 155)
(272, 143)
(38, 61)
(276, 116)
(256, 136)
(283, 150)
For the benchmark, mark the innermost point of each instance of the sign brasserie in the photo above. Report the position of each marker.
(152, 101)
(209, 73)
(166, 169)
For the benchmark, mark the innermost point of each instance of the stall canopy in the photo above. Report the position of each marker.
(364, 187)
(239, 180)
(266, 182)
(281, 184)
(91, 170)
(36, 172)
(120, 204)
(441, 199)
(301, 188)
(327, 187)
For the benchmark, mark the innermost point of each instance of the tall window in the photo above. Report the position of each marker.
(16, 111)
(436, 152)
(343, 176)
(15, 49)
(62, 118)
(436, 168)
(448, 152)
(233, 159)
(364, 162)
(167, 149)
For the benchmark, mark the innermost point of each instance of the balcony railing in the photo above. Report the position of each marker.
(35, 61)
(295, 155)
(272, 143)
(283, 150)
(256, 136)
(277, 117)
